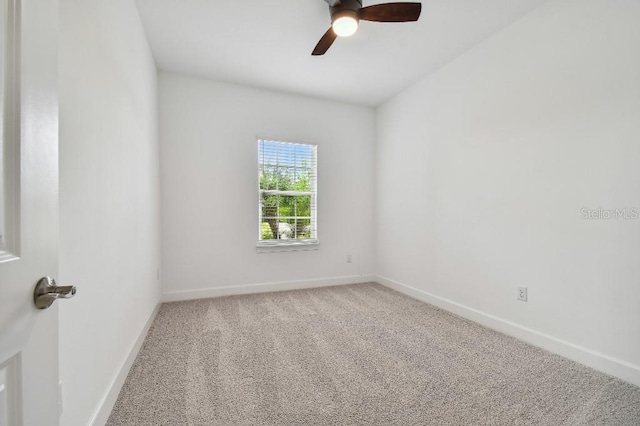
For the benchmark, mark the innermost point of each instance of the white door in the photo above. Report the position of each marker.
(28, 210)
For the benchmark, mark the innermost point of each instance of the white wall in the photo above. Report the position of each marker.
(209, 172)
(489, 161)
(109, 195)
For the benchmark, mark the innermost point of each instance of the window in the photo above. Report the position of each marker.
(287, 193)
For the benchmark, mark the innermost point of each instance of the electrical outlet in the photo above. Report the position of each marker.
(522, 294)
(349, 260)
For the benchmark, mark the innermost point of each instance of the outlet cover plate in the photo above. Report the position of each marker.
(522, 294)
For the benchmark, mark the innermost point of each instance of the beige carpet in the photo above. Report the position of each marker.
(353, 355)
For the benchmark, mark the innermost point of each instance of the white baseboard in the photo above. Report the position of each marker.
(596, 360)
(175, 296)
(102, 412)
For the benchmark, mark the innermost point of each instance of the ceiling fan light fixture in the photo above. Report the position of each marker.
(346, 14)
(345, 23)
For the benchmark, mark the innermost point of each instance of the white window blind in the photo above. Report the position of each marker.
(287, 190)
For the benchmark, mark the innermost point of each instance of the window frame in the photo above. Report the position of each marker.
(289, 244)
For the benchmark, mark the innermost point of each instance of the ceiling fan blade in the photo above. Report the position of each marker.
(325, 43)
(391, 12)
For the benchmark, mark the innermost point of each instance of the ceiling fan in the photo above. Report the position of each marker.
(345, 15)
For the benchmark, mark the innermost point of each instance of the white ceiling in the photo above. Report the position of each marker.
(268, 44)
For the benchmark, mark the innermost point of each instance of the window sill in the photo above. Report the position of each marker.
(286, 247)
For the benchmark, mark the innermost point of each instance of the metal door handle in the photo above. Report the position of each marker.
(47, 292)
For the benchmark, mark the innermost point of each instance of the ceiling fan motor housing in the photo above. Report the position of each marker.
(345, 8)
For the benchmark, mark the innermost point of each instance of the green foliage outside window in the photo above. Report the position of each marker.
(293, 210)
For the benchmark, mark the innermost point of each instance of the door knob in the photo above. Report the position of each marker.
(47, 292)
